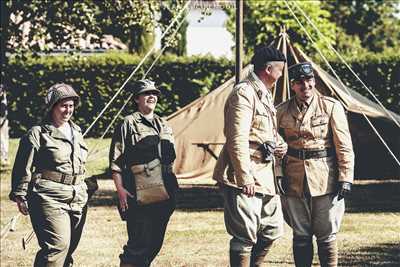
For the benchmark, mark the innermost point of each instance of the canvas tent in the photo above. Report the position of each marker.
(198, 127)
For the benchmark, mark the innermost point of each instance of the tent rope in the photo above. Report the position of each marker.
(348, 92)
(131, 95)
(117, 93)
(10, 226)
(346, 64)
(137, 68)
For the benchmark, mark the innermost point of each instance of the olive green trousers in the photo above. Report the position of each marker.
(58, 214)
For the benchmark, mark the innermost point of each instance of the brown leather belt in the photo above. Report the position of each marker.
(62, 178)
(304, 154)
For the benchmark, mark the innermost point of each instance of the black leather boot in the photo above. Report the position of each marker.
(328, 254)
(303, 254)
(259, 251)
(239, 259)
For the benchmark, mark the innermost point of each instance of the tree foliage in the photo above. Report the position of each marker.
(372, 23)
(56, 23)
(352, 27)
(176, 44)
(49, 23)
(263, 20)
(131, 21)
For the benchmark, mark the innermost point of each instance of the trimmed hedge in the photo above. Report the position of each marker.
(181, 80)
(379, 72)
(96, 79)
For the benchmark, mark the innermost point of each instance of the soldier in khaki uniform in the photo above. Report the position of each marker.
(141, 157)
(48, 179)
(318, 167)
(245, 167)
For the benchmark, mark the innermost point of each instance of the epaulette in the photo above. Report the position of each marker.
(328, 98)
(38, 129)
(132, 117)
(283, 104)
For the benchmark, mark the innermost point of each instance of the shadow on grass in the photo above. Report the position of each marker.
(373, 197)
(384, 254)
(189, 198)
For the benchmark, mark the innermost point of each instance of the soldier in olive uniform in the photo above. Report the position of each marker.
(318, 167)
(141, 145)
(48, 179)
(245, 167)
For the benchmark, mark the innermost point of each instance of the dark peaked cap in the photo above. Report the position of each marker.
(265, 54)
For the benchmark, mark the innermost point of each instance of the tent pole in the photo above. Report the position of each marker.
(239, 41)
(285, 84)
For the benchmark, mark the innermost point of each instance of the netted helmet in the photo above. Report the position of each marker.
(58, 92)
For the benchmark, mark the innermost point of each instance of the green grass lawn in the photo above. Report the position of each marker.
(196, 236)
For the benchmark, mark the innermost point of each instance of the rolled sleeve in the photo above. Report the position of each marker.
(343, 144)
(117, 149)
(238, 119)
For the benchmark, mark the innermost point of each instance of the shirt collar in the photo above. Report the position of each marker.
(301, 103)
(259, 86)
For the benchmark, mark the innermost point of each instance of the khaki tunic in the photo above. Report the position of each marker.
(46, 148)
(323, 126)
(250, 120)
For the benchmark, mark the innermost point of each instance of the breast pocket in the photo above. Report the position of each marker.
(288, 130)
(262, 121)
(320, 125)
(262, 128)
(58, 152)
(145, 137)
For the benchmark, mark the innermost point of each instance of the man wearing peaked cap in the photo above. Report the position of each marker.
(244, 170)
(301, 71)
(318, 167)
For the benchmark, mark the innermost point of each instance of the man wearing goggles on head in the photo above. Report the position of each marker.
(318, 167)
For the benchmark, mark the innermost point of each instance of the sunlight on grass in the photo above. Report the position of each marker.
(197, 237)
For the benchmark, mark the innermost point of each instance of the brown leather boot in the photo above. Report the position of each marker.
(239, 259)
(259, 251)
(328, 254)
(303, 254)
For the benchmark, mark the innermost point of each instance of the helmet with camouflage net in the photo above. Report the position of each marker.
(59, 92)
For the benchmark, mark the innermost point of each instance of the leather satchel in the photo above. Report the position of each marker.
(149, 183)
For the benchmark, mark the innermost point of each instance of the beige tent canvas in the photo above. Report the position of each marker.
(198, 127)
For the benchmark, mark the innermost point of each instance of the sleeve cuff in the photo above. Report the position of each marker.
(115, 168)
(13, 195)
(346, 176)
(245, 180)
